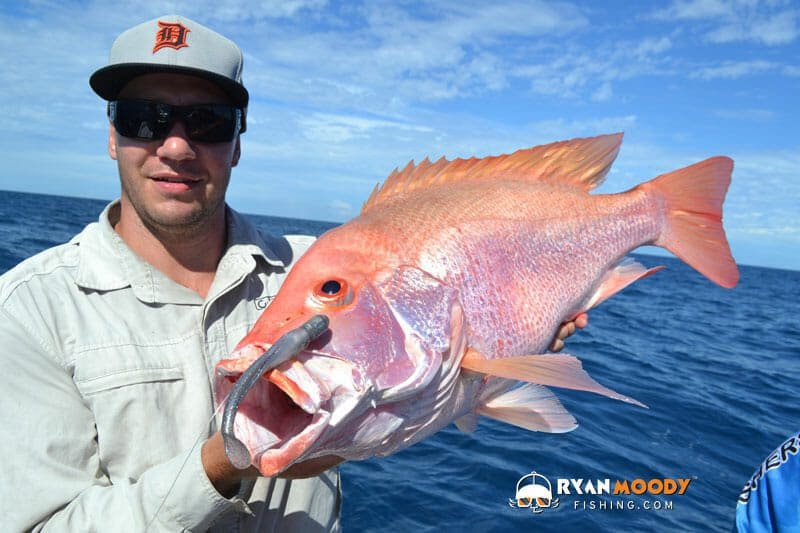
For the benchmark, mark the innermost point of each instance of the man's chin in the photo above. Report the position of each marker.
(178, 217)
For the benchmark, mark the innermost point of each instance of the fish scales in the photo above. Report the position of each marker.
(532, 264)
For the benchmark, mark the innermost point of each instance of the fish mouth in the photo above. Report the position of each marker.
(285, 412)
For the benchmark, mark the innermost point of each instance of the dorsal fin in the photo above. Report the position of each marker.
(583, 163)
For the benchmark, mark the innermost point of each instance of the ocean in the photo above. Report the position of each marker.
(718, 369)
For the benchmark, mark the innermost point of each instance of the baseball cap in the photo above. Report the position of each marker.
(172, 44)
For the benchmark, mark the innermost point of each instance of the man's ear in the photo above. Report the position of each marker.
(112, 142)
(237, 152)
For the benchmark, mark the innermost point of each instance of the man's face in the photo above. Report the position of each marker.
(174, 185)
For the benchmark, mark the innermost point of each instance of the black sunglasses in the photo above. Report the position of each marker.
(150, 121)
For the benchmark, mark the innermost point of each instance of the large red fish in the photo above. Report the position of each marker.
(448, 288)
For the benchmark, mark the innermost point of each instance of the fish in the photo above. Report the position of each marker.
(444, 293)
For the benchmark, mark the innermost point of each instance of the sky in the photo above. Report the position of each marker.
(344, 92)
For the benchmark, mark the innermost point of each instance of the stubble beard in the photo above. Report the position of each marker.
(169, 227)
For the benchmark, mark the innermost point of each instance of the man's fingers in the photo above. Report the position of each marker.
(567, 329)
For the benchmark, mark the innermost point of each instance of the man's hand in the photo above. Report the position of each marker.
(311, 467)
(223, 475)
(567, 329)
(226, 478)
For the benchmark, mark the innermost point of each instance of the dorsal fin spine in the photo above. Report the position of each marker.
(581, 163)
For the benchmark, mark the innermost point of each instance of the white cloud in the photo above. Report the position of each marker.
(735, 69)
(758, 115)
(777, 169)
(588, 72)
(695, 10)
(773, 30)
(341, 209)
(724, 21)
(326, 127)
(557, 129)
(652, 46)
(263, 9)
(766, 184)
(773, 230)
(603, 93)
(419, 53)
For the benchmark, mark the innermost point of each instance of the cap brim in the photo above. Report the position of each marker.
(109, 81)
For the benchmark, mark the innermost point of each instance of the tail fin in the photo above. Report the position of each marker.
(693, 231)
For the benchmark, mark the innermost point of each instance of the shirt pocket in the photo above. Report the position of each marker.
(146, 404)
(127, 378)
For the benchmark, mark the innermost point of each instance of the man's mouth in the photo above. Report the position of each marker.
(176, 180)
(173, 179)
(188, 180)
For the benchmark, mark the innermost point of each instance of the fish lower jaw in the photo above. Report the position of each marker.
(277, 421)
(271, 460)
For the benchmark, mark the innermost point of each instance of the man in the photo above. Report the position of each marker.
(110, 341)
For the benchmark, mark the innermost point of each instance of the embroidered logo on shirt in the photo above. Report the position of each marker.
(170, 35)
(263, 302)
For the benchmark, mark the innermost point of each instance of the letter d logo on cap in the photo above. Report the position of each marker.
(170, 35)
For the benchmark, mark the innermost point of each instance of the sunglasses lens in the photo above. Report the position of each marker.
(141, 119)
(138, 119)
(210, 123)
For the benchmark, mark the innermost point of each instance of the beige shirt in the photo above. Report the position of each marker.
(106, 380)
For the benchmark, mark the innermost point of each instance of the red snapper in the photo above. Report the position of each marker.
(446, 290)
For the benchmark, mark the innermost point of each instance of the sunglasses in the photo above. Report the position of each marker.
(150, 121)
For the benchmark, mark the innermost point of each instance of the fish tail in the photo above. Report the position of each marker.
(693, 230)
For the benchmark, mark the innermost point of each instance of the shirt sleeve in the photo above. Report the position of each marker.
(770, 500)
(53, 479)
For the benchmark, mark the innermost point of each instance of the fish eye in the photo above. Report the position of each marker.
(333, 292)
(331, 287)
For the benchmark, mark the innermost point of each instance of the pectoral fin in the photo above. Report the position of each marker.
(561, 370)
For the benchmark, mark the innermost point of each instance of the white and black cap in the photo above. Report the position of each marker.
(172, 44)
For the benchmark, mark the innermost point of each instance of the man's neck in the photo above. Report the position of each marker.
(189, 258)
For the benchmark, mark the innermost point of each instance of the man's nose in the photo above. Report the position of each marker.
(176, 145)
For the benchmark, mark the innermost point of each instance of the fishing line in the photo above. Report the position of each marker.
(186, 460)
(287, 346)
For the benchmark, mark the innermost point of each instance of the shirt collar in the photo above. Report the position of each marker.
(245, 239)
(106, 263)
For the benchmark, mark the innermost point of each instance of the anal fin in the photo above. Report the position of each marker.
(626, 272)
(467, 423)
(531, 407)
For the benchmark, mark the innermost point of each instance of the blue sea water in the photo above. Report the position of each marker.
(719, 370)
